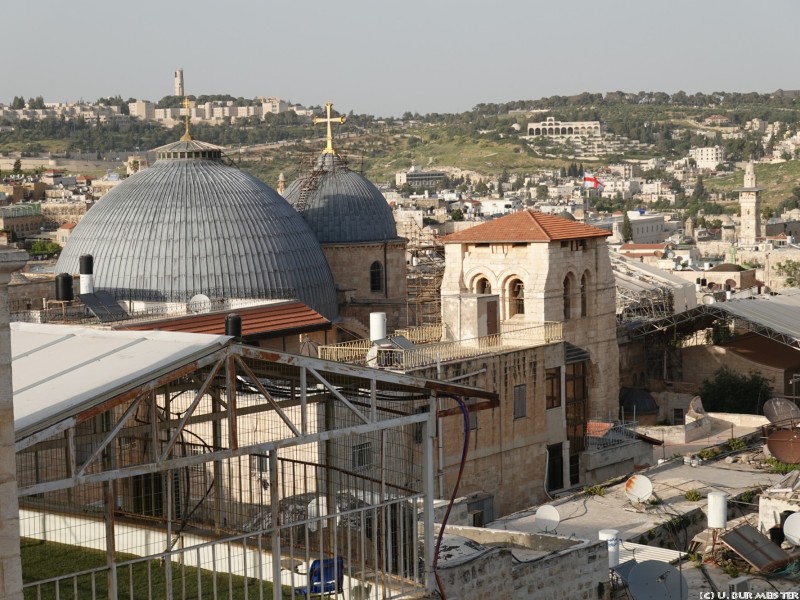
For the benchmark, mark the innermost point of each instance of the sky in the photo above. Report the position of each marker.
(386, 58)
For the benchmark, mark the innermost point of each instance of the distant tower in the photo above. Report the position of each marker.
(281, 183)
(750, 206)
(179, 82)
(688, 228)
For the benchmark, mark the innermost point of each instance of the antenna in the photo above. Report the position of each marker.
(547, 518)
(656, 580)
(791, 529)
(638, 488)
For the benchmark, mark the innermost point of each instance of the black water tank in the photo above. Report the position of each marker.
(64, 287)
(233, 326)
(703, 282)
(86, 262)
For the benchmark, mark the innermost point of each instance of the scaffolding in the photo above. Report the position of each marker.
(228, 476)
(425, 272)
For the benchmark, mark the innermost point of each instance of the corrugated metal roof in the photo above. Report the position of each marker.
(191, 226)
(57, 369)
(640, 553)
(781, 314)
(526, 226)
(345, 207)
(264, 321)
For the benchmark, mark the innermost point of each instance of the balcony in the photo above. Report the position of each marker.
(363, 352)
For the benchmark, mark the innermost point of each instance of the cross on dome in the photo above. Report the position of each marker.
(329, 120)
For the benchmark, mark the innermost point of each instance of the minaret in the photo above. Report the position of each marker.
(750, 207)
(179, 82)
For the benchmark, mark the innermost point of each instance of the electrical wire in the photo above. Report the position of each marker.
(454, 494)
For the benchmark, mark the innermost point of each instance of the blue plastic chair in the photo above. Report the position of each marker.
(325, 577)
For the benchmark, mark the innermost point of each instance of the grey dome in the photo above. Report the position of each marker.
(191, 224)
(342, 206)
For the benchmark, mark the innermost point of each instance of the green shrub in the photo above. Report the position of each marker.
(736, 444)
(693, 495)
(594, 490)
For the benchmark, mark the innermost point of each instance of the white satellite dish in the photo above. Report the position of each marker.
(638, 488)
(547, 518)
(199, 303)
(791, 529)
(656, 580)
(708, 299)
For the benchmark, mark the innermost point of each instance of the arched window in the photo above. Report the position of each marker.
(567, 297)
(483, 286)
(516, 298)
(585, 295)
(376, 277)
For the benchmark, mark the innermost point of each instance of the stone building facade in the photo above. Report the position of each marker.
(530, 268)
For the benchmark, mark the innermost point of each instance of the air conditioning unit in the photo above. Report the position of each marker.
(740, 584)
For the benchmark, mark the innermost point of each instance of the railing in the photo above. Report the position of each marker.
(362, 352)
(601, 435)
(422, 334)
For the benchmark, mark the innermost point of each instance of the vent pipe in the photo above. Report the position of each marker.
(87, 274)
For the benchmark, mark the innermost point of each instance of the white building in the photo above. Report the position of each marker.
(707, 158)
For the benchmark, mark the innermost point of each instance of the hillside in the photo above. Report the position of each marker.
(777, 181)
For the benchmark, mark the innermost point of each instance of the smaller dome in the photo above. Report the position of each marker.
(565, 214)
(727, 268)
(340, 205)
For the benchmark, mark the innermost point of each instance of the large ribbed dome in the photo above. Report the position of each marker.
(191, 224)
(340, 205)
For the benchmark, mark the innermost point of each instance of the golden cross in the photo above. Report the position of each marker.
(328, 119)
(186, 135)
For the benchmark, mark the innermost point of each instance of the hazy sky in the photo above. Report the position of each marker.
(385, 58)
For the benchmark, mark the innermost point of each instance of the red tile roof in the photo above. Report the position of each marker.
(265, 321)
(67, 226)
(526, 226)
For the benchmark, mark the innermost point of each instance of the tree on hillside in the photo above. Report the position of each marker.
(17, 166)
(735, 392)
(18, 103)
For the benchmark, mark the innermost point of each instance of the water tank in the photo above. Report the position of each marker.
(377, 326)
(611, 537)
(64, 287)
(233, 326)
(86, 263)
(698, 285)
(717, 510)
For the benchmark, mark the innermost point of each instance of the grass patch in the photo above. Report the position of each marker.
(778, 180)
(146, 579)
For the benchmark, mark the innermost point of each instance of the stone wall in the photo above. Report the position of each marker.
(578, 574)
(702, 362)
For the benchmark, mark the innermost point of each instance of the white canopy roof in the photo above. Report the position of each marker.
(59, 370)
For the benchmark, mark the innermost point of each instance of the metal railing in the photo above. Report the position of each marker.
(363, 352)
(602, 435)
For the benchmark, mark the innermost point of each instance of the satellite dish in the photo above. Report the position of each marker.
(678, 267)
(708, 299)
(638, 488)
(784, 444)
(547, 518)
(199, 303)
(656, 580)
(781, 412)
(791, 529)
